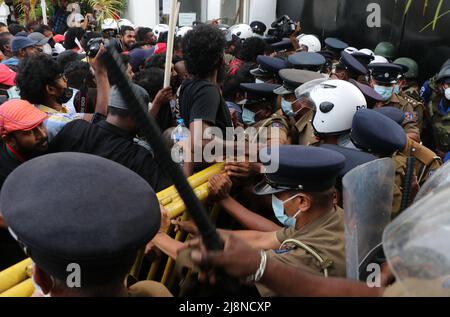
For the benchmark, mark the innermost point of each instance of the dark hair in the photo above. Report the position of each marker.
(156, 60)
(5, 39)
(32, 26)
(42, 28)
(142, 33)
(203, 49)
(2, 24)
(125, 28)
(34, 74)
(15, 28)
(71, 35)
(251, 48)
(78, 73)
(230, 87)
(88, 36)
(151, 79)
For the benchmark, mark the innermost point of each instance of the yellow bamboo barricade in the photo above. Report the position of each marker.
(16, 280)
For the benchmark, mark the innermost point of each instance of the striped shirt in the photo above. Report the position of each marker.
(58, 119)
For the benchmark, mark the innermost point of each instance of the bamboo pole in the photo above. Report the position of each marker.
(174, 9)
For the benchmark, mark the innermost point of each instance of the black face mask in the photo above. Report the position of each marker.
(65, 97)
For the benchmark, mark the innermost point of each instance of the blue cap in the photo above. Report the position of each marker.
(335, 44)
(307, 60)
(352, 64)
(294, 78)
(302, 168)
(258, 92)
(282, 45)
(376, 133)
(268, 66)
(20, 42)
(353, 158)
(368, 92)
(137, 58)
(387, 73)
(393, 113)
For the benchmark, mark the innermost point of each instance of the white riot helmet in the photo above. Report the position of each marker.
(243, 31)
(310, 41)
(367, 51)
(379, 59)
(335, 102)
(160, 28)
(75, 20)
(109, 24)
(125, 22)
(183, 30)
(351, 50)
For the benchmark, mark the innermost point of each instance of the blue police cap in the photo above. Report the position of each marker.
(387, 73)
(307, 60)
(376, 133)
(303, 168)
(335, 44)
(258, 92)
(268, 66)
(364, 59)
(368, 92)
(79, 208)
(353, 158)
(294, 78)
(282, 45)
(393, 113)
(351, 64)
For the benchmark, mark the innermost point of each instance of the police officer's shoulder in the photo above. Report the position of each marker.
(278, 121)
(420, 152)
(71, 208)
(308, 169)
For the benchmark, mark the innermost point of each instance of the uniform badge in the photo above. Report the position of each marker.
(276, 125)
(409, 116)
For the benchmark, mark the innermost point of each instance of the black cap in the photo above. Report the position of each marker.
(335, 44)
(282, 45)
(376, 133)
(371, 95)
(258, 27)
(79, 208)
(307, 60)
(364, 59)
(351, 64)
(387, 73)
(392, 113)
(303, 168)
(258, 92)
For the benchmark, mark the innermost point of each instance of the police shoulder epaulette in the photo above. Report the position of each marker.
(423, 154)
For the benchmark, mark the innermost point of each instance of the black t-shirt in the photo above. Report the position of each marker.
(108, 141)
(200, 99)
(7, 164)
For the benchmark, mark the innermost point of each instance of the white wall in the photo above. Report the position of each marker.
(263, 10)
(213, 9)
(143, 12)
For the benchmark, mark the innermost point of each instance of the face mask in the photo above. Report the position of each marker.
(248, 117)
(66, 96)
(278, 208)
(287, 107)
(447, 93)
(384, 92)
(396, 89)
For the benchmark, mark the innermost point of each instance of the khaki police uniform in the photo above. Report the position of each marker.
(416, 103)
(410, 124)
(148, 289)
(325, 236)
(277, 128)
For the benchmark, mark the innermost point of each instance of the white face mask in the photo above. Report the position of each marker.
(447, 93)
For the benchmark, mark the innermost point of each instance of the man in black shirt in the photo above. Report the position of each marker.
(113, 139)
(23, 137)
(200, 96)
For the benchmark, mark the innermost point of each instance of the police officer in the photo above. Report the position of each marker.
(297, 112)
(83, 237)
(268, 68)
(384, 77)
(349, 68)
(304, 243)
(336, 46)
(377, 134)
(372, 97)
(307, 61)
(439, 111)
(258, 113)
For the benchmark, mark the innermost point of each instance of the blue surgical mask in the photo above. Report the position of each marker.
(278, 208)
(384, 92)
(396, 89)
(248, 117)
(287, 107)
